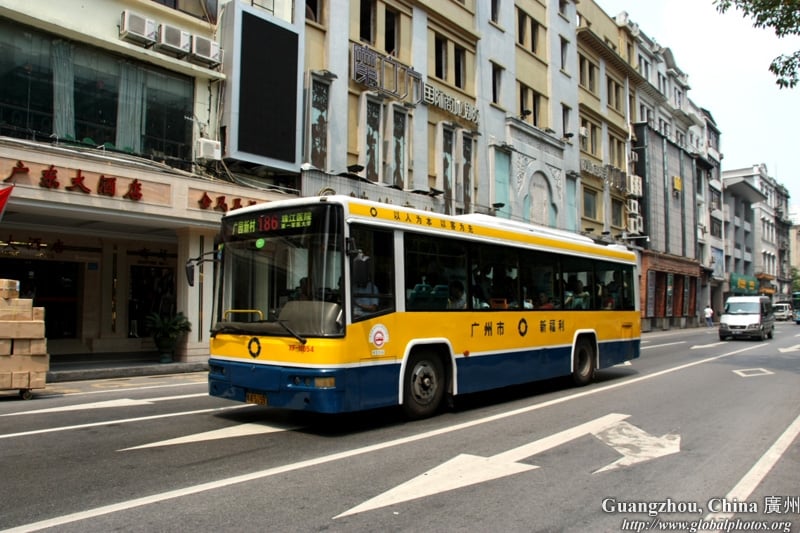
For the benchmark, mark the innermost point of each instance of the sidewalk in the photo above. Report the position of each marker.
(105, 366)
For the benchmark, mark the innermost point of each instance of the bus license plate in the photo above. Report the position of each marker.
(256, 398)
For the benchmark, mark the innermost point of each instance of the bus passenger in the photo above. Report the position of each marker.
(544, 302)
(366, 299)
(457, 299)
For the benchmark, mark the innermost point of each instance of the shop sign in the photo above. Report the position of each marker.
(743, 284)
(387, 75)
(53, 178)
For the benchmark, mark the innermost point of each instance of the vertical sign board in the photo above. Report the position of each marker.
(268, 89)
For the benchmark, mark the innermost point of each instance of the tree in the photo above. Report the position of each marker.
(784, 17)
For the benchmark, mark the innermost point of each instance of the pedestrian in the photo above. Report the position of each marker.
(709, 314)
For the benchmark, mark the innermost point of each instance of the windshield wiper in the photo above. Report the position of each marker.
(292, 332)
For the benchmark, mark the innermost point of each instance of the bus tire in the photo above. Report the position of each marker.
(423, 385)
(583, 362)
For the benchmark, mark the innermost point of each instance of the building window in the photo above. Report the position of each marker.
(644, 67)
(440, 49)
(460, 65)
(314, 10)
(530, 105)
(390, 32)
(203, 9)
(495, 11)
(372, 154)
(616, 151)
(529, 32)
(566, 115)
(367, 21)
(497, 78)
(397, 159)
(69, 92)
(615, 95)
(448, 170)
(662, 84)
(588, 74)
(564, 54)
(589, 134)
(616, 213)
(562, 7)
(467, 180)
(318, 115)
(589, 203)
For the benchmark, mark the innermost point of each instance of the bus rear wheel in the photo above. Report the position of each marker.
(423, 386)
(583, 362)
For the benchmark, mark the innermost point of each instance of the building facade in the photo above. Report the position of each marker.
(128, 127)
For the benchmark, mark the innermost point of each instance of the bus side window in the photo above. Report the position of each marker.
(371, 271)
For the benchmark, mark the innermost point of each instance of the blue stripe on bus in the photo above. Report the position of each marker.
(372, 386)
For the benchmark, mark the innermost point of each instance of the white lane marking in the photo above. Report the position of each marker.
(242, 430)
(759, 471)
(714, 345)
(661, 345)
(53, 389)
(122, 402)
(120, 421)
(795, 348)
(261, 474)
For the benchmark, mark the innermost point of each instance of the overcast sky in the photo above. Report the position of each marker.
(727, 61)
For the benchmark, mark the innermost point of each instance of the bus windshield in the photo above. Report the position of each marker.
(281, 273)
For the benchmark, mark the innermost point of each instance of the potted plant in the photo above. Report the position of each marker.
(167, 331)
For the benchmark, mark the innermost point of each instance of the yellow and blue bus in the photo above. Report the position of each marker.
(335, 304)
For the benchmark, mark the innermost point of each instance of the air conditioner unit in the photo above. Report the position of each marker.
(173, 40)
(206, 51)
(137, 29)
(583, 132)
(633, 206)
(208, 149)
(635, 224)
(634, 185)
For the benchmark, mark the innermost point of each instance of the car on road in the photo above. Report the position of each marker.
(747, 316)
(783, 311)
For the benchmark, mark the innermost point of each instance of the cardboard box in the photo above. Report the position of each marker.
(16, 309)
(21, 329)
(22, 380)
(29, 346)
(25, 363)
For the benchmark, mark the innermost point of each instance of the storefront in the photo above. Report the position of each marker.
(669, 287)
(99, 240)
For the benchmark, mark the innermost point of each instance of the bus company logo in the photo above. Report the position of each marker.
(254, 347)
(378, 335)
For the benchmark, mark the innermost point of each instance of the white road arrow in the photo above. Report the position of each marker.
(636, 445)
(464, 470)
(795, 348)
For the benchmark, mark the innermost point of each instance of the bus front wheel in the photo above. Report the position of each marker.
(583, 362)
(423, 385)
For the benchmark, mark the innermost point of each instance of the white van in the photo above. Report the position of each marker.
(783, 311)
(747, 316)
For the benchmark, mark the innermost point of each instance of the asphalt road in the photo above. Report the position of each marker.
(695, 431)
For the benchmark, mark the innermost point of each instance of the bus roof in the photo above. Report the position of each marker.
(472, 226)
